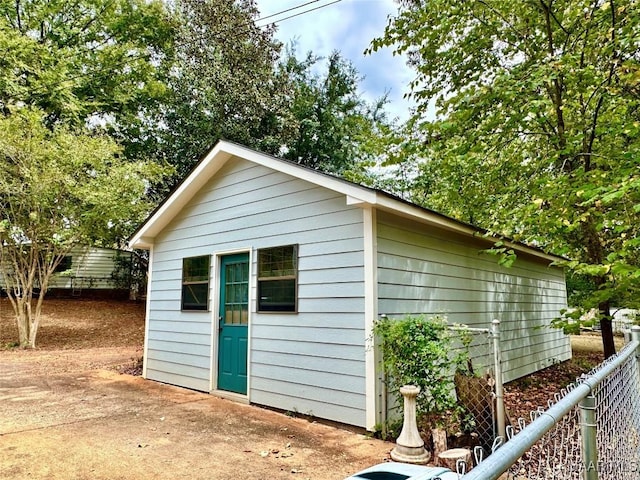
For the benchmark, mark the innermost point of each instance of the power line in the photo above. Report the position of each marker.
(287, 10)
(295, 14)
(275, 22)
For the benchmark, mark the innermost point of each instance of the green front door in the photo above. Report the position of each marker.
(233, 323)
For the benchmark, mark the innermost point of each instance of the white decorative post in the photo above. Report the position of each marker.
(409, 445)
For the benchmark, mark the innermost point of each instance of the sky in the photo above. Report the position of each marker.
(347, 26)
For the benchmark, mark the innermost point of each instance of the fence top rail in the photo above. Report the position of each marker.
(505, 456)
(462, 328)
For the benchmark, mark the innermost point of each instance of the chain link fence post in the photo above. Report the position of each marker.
(499, 389)
(635, 337)
(588, 429)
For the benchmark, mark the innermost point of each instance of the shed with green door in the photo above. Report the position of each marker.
(265, 278)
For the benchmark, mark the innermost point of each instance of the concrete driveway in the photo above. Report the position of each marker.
(69, 415)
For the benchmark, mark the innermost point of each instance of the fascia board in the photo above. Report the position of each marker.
(210, 164)
(143, 238)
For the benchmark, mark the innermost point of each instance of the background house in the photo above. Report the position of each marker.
(90, 272)
(266, 278)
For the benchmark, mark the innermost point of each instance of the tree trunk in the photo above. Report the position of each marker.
(596, 256)
(450, 458)
(606, 329)
(22, 318)
(35, 318)
(439, 441)
(26, 320)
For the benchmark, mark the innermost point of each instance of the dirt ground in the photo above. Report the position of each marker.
(67, 413)
(535, 390)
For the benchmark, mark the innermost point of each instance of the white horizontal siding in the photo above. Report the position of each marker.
(186, 338)
(437, 273)
(182, 378)
(91, 268)
(316, 320)
(173, 346)
(312, 377)
(311, 401)
(309, 361)
(309, 348)
(267, 231)
(322, 337)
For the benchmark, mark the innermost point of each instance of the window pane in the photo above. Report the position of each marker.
(278, 261)
(195, 296)
(277, 295)
(195, 283)
(236, 287)
(64, 265)
(195, 269)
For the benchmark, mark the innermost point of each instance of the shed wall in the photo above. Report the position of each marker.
(438, 273)
(311, 362)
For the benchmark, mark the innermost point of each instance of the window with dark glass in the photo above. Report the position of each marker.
(64, 265)
(278, 279)
(195, 283)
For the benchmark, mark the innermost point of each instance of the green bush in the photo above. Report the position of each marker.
(419, 351)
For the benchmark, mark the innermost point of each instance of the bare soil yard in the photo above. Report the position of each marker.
(528, 393)
(79, 324)
(66, 411)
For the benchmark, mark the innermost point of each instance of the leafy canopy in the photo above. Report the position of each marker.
(51, 201)
(92, 59)
(332, 126)
(232, 80)
(537, 126)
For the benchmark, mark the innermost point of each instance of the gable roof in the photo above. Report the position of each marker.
(355, 194)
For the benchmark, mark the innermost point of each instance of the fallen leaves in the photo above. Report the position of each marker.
(527, 394)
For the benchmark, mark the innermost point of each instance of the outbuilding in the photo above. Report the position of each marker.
(86, 272)
(265, 279)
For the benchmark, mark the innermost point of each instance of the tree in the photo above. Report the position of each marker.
(223, 83)
(69, 71)
(102, 85)
(232, 81)
(538, 126)
(96, 62)
(60, 188)
(331, 123)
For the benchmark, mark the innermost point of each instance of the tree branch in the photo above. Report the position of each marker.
(18, 17)
(555, 90)
(519, 34)
(612, 69)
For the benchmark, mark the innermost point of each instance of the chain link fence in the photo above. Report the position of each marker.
(476, 389)
(590, 431)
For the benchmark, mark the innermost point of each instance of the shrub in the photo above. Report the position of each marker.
(419, 351)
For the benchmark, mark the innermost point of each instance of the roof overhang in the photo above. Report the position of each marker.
(221, 153)
(356, 195)
(429, 217)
